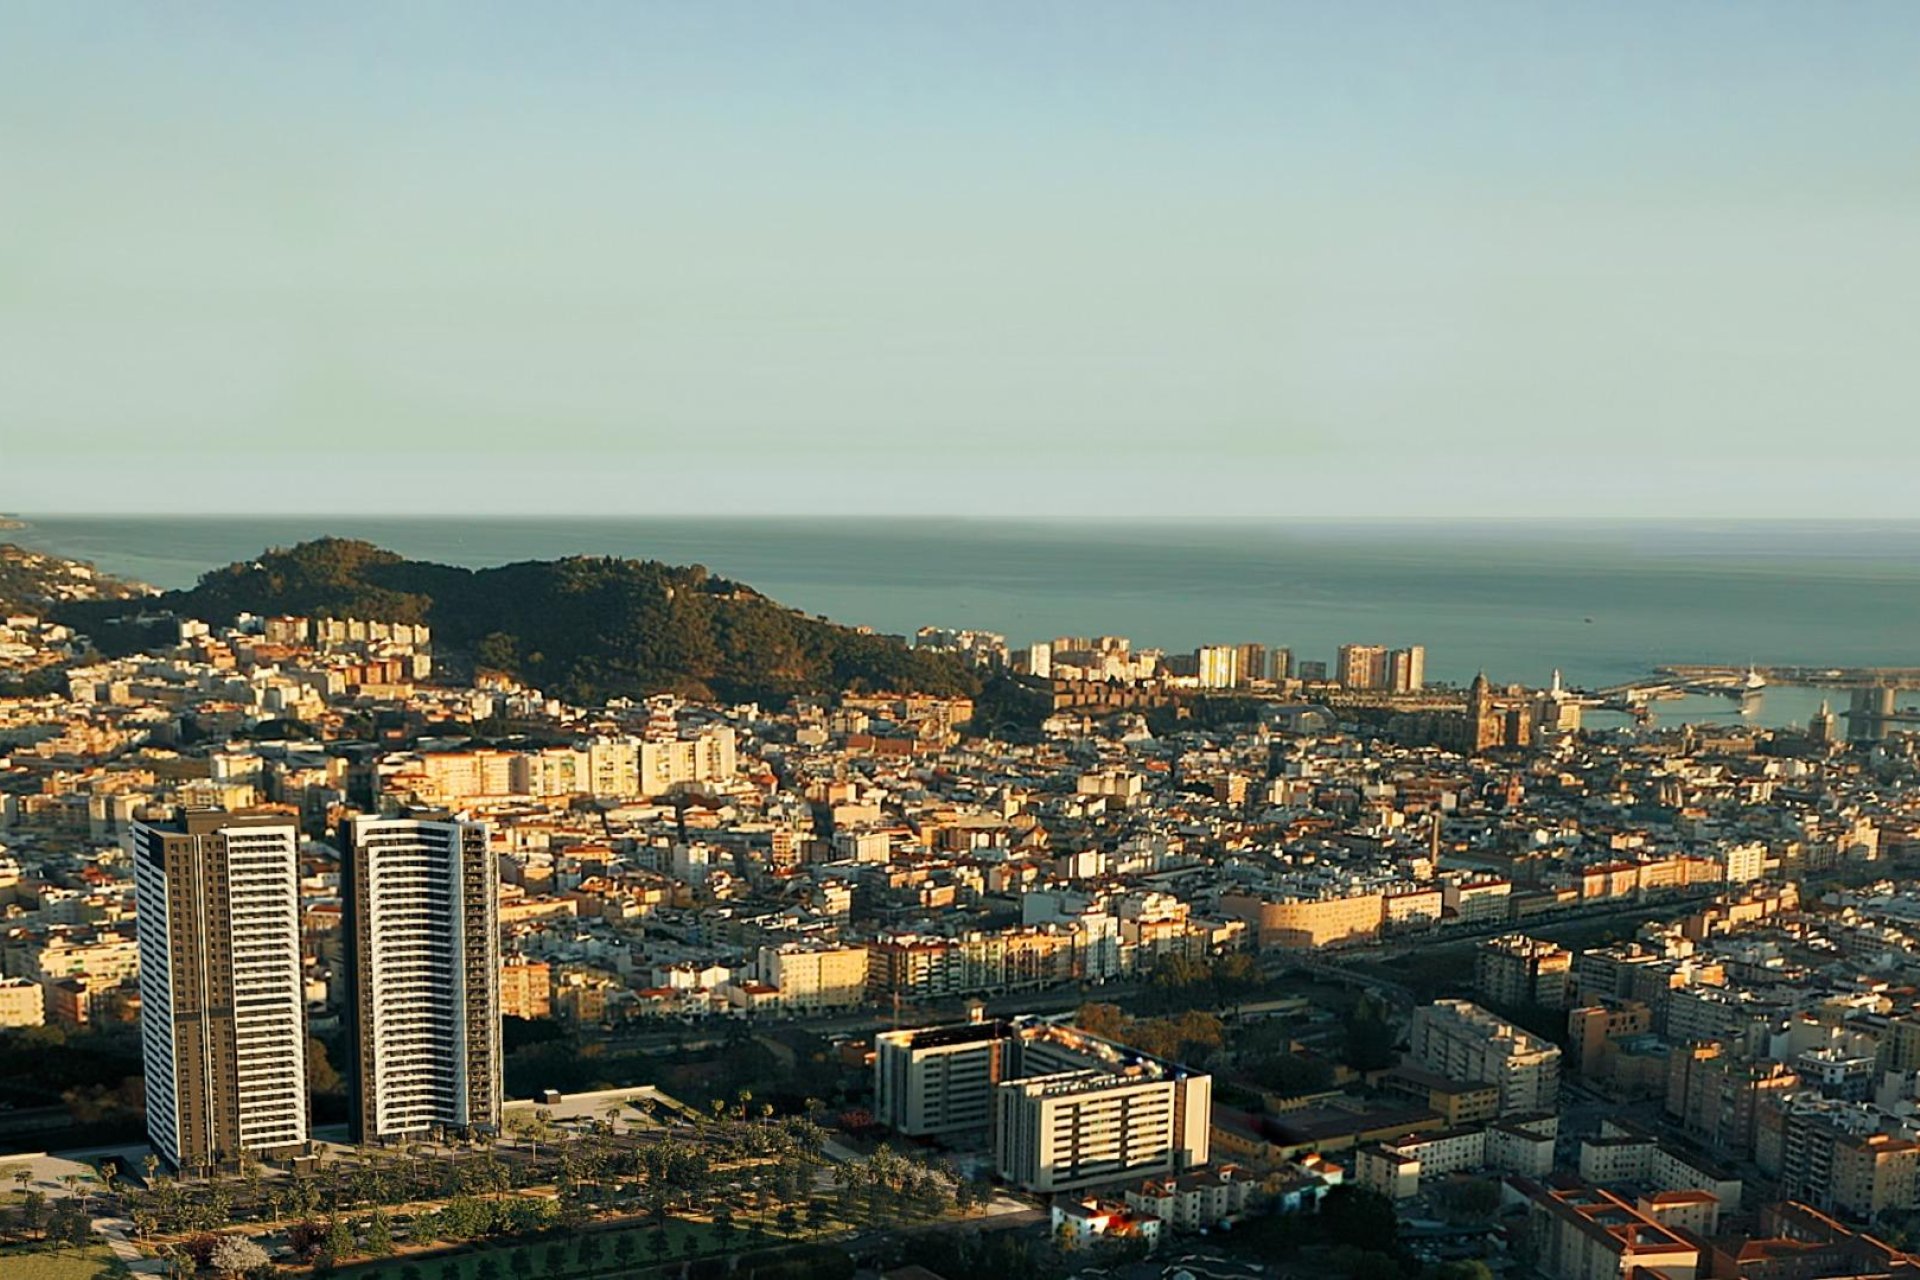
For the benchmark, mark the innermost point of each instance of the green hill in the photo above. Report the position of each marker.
(585, 628)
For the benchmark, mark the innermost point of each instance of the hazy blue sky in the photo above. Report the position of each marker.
(1194, 258)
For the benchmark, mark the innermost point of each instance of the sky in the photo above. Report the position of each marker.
(1117, 259)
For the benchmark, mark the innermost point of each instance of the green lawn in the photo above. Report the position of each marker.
(467, 1265)
(95, 1260)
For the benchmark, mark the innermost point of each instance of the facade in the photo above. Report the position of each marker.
(1462, 1041)
(423, 938)
(222, 1016)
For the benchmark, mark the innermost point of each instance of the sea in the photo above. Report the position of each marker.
(1601, 601)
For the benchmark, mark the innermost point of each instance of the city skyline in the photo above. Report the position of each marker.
(1310, 260)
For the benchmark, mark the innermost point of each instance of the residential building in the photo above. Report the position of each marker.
(526, 988)
(1589, 1234)
(1461, 1040)
(23, 1003)
(222, 1014)
(1061, 1108)
(423, 946)
(815, 975)
(1516, 971)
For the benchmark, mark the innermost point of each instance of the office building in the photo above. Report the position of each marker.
(222, 1017)
(423, 943)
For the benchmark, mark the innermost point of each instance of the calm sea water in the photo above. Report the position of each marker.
(1602, 601)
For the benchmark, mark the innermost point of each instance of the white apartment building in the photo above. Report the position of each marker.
(1082, 1128)
(423, 941)
(1062, 1109)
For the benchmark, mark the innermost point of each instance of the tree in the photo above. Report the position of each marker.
(818, 1216)
(488, 1268)
(1462, 1269)
(788, 1220)
(1466, 1200)
(1290, 1074)
(520, 1262)
(322, 1076)
(1370, 1036)
(722, 1226)
(588, 1251)
(623, 1247)
(237, 1256)
(1355, 1216)
(379, 1236)
(1365, 1264)
(657, 1243)
(33, 1210)
(340, 1242)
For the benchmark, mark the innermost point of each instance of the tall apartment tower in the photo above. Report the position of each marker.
(222, 1016)
(1363, 666)
(1407, 669)
(423, 962)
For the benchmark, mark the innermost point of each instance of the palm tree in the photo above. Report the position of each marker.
(23, 1175)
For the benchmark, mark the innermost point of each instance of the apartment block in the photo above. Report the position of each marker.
(1462, 1041)
(1062, 1109)
(1589, 1234)
(815, 976)
(423, 959)
(222, 1014)
(1516, 971)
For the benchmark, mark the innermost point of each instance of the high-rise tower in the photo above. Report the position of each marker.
(222, 1018)
(423, 947)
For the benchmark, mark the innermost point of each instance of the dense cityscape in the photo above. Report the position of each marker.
(329, 946)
